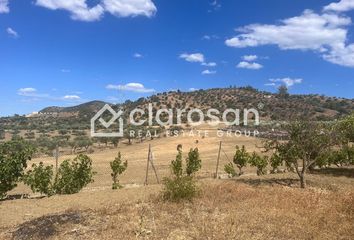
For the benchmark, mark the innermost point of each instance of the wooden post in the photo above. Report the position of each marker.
(153, 167)
(147, 166)
(217, 162)
(56, 155)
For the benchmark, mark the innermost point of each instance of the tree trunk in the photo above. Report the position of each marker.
(302, 180)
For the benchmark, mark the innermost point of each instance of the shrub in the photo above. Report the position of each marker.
(259, 162)
(74, 175)
(176, 165)
(179, 188)
(13, 161)
(118, 167)
(229, 169)
(194, 163)
(181, 185)
(241, 158)
(39, 179)
(275, 162)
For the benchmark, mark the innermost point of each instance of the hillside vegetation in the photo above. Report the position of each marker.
(271, 107)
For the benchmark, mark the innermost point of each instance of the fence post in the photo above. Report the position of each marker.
(147, 166)
(217, 162)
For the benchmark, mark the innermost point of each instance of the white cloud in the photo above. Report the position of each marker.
(342, 6)
(80, 10)
(31, 92)
(193, 89)
(4, 6)
(289, 82)
(65, 70)
(308, 31)
(208, 72)
(133, 87)
(26, 91)
(71, 97)
(247, 65)
(270, 84)
(138, 55)
(325, 34)
(193, 57)
(130, 8)
(210, 64)
(250, 58)
(12, 32)
(210, 37)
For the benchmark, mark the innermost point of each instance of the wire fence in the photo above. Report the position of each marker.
(149, 161)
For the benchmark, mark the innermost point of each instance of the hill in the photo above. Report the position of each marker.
(92, 106)
(272, 107)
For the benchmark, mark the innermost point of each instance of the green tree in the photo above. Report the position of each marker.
(193, 162)
(241, 158)
(283, 91)
(40, 178)
(180, 186)
(118, 167)
(74, 175)
(260, 162)
(13, 161)
(307, 143)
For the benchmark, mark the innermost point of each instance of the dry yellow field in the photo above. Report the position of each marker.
(164, 151)
(248, 207)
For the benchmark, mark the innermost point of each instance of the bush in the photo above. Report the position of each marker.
(39, 179)
(194, 163)
(73, 176)
(275, 162)
(229, 169)
(179, 188)
(13, 161)
(241, 158)
(118, 167)
(176, 165)
(259, 162)
(182, 186)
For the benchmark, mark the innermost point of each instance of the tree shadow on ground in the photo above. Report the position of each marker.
(288, 182)
(336, 172)
(19, 196)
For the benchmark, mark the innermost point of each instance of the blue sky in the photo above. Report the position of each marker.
(65, 52)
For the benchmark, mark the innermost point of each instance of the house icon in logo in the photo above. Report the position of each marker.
(115, 116)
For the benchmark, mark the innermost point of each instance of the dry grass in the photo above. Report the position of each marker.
(226, 209)
(164, 151)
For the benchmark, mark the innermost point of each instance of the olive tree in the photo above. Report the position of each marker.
(308, 141)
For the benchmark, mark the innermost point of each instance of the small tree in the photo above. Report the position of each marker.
(118, 167)
(307, 143)
(39, 179)
(283, 91)
(181, 186)
(193, 161)
(74, 175)
(13, 161)
(176, 165)
(241, 158)
(275, 162)
(229, 169)
(260, 162)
